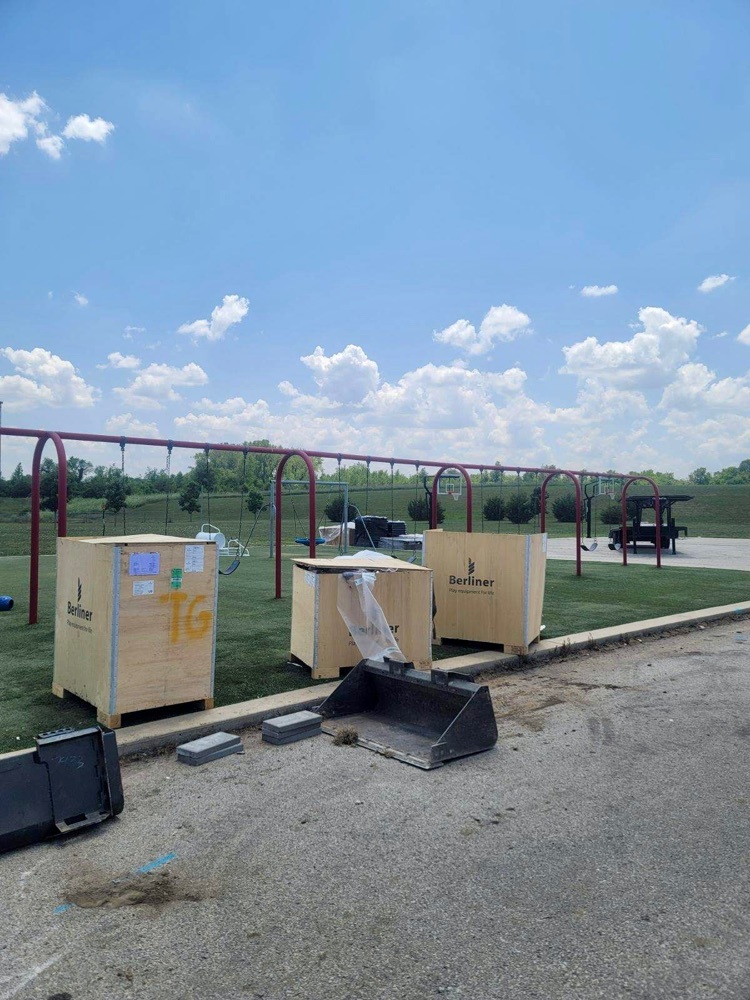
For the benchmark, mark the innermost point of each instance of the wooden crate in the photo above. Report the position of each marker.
(488, 588)
(321, 640)
(135, 626)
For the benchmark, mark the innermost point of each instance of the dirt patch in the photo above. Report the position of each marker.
(146, 890)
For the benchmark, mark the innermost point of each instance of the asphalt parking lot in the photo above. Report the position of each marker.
(601, 850)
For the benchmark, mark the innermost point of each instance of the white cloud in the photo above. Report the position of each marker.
(52, 145)
(696, 388)
(345, 377)
(83, 127)
(130, 330)
(43, 379)
(743, 337)
(80, 299)
(19, 118)
(155, 386)
(117, 360)
(502, 323)
(130, 426)
(232, 310)
(720, 336)
(597, 291)
(714, 281)
(650, 356)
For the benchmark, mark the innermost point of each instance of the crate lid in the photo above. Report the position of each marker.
(352, 562)
(138, 540)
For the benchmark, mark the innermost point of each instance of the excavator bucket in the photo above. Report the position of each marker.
(422, 717)
(70, 781)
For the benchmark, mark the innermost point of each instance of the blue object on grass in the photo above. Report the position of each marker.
(6, 603)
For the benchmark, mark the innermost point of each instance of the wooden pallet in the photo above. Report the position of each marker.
(115, 721)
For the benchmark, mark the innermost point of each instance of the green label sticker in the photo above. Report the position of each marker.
(176, 579)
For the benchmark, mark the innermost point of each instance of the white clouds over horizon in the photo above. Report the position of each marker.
(714, 281)
(43, 379)
(663, 343)
(154, 386)
(20, 118)
(117, 360)
(501, 323)
(627, 399)
(598, 291)
(232, 310)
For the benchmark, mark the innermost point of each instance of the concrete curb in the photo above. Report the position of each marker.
(489, 661)
(166, 733)
(242, 715)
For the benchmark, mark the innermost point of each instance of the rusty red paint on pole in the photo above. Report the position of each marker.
(469, 495)
(312, 527)
(543, 512)
(62, 512)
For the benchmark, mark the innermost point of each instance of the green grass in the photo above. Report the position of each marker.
(253, 629)
(715, 512)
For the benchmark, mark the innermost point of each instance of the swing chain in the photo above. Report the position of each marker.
(170, 445)
(207, 451)
(392, 463)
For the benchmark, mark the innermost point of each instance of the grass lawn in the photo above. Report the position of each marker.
(253, 629)
(715, 512)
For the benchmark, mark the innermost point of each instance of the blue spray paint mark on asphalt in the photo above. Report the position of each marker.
(164, 860)
(64, 908)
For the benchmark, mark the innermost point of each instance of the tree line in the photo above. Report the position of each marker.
(235, 472)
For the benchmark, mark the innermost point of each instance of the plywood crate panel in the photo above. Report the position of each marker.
(320, 638)
(488, 588)
(135, 623)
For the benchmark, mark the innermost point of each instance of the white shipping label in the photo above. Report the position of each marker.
(544, 542)
(142, 587)
(144, 564)
(310, 578)
(194, 558)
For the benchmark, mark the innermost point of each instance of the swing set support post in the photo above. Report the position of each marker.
(543, 511)
(657, 518)
(434, 495)
(312, 526)
(62, 512)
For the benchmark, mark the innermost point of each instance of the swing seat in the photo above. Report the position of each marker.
(306, 541)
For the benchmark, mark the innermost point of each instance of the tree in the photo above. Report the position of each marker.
(612, 513)
(494, 509)
(48, 484)
(564, 508)
(419, 510)
(78, 468)
(189, 499)
(700, 476)
(18, 485)
(335, 510)
(255, 501)
(519, 509)
(115, 493)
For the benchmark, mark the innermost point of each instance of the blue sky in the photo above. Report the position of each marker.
(391, 211)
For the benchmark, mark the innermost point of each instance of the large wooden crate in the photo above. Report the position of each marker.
(488, 588)
(135, 626)
(320, 638)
